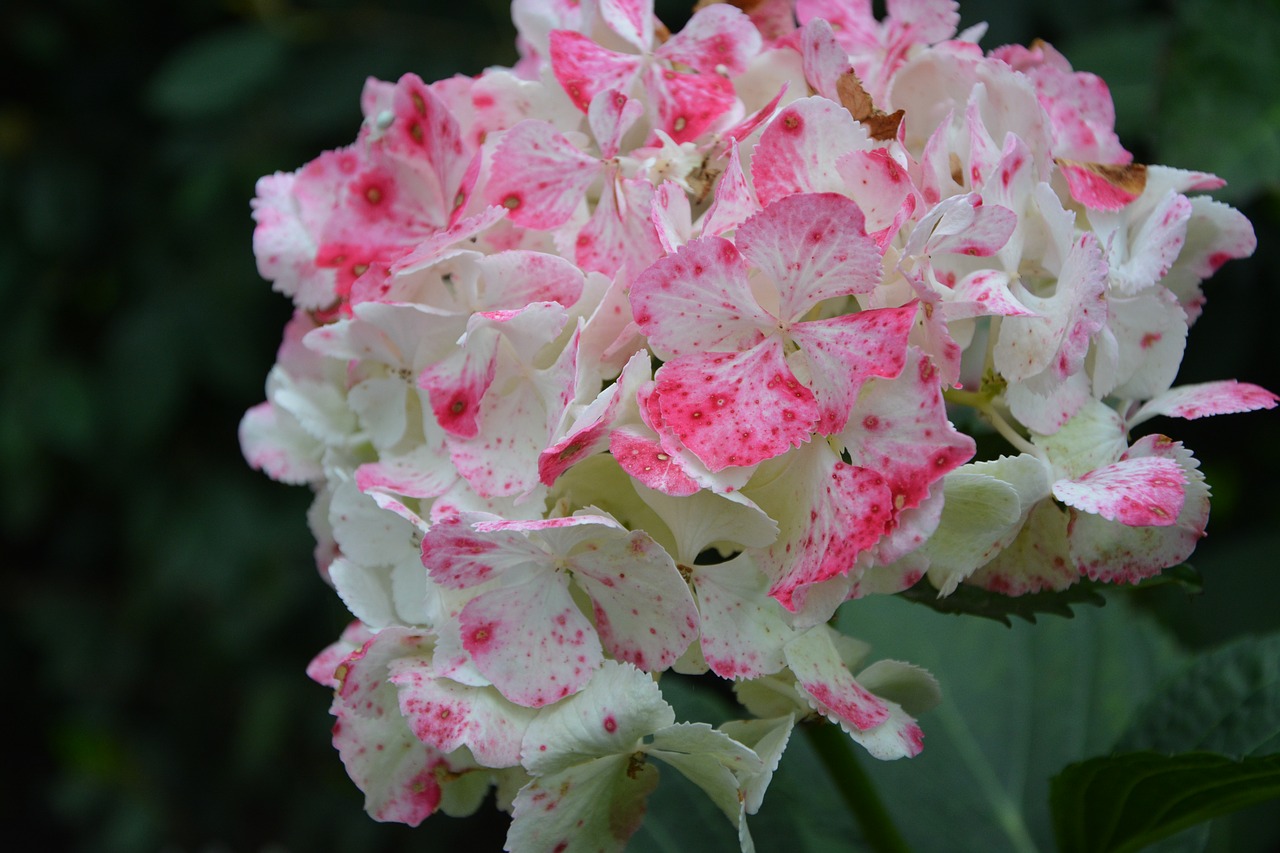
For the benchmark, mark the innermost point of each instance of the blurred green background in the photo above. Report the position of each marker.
(161, 598)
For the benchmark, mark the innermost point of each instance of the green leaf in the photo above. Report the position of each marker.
(975, 601)
(1018, 704)
(219, 72)
(1226, 701)
(1122, 803)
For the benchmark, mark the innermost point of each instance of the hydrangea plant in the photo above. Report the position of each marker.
(647, 354)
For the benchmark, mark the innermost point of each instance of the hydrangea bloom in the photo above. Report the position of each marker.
(642, 356)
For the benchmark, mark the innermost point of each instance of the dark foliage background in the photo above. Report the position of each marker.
(160, 598)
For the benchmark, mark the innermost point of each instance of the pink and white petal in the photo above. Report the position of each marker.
(531, 640)
(423, 472)
(395, 771)
(323, 667)
(698, 299)
(459, 557)
(881, 187)
(826, 683)
(736, 409)
(447, 715)
(429, 251)
(845, 351)
(1226, 397)
(814, 247)
(1149, 254)
(687, 103)
(743, 629)
(427, 135)
(592, 807)
(718, 39)
(1037, 559)
(272, 441)
(899, 428)
(825, 60)
(610, 116)
(590, 431)
(799, 150)
(981, 294)
(584, 68)
(642, 456)
(828, 513)
(1111, 552)
(457, 385)
(645, 614)
(1150, 330)
(1091, 189)
(963, 225)
(620, 706)
(539, 176)
(619, 240)
(516, 278)
(671, 216)
(631, 19)
(1138, 492)
(362, 689)
(366, 533)
(740, 131)
(734, 202)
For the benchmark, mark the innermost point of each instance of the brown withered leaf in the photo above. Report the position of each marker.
(1130, 178)
(881, 125)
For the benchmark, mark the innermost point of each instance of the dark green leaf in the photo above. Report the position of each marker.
(1122, 803)
(216, 73)
(993, 605)
(1226, 701)
(1018, 704)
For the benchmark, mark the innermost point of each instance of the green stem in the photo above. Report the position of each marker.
(835, 750)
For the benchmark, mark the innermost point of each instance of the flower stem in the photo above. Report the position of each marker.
(835, 750)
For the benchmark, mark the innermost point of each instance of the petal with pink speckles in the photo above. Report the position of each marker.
(644, 612)
(899, 428)
(687, 103)
(828, 512)
(733, 203)
(718, 39)
(1139, 492)
(531, 640)
(610, 116)
(743, 629)
(447, 715)
(799, 150)
(880, 726)
(584, 68)
(539, 176)
(736, 408)
(643, 457)
(814, 247)
(698, 300)
(845, 351)
(1112, 552)
(619, 240)
(631, 19)
(1207, 398)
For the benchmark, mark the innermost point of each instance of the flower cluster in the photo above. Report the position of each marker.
(643, 355)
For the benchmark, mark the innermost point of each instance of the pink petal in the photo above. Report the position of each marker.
(718, 39)
(531, 641)
(611, 115)
(880, 185)
(584, 68)
(734, 203)
(1145, 491)
(447, 715)
(620, 240)
(457, 385)
(698, 300)
(644, 612)
(1207, 398)
(539, 176)
(1092, 190)
(797, 152)
(422, 473)
(631, 19)
(1109, 551)
(687, 103)
(427, 135)
(671, 216)
(814, 247)
(643, 458)
(899, 428)
(845, 351)
(736, 409)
